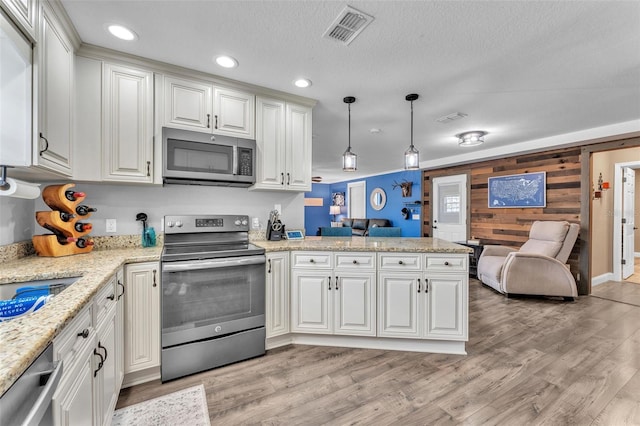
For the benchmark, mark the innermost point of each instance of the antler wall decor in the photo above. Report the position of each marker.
(405, 185)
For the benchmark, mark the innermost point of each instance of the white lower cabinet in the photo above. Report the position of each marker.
(142, 318)
(421, 303)
(333, 300)
(89, 350)
(73, 400)
(105, 375)
(277, 294)
(398, 305)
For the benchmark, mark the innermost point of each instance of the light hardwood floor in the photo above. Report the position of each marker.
(530, 361)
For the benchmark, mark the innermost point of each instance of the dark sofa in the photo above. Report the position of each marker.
(360, 227)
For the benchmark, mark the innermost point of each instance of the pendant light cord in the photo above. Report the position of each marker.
(411, 124)
(349, 105)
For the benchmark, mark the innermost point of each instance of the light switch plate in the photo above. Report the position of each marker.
(111, 225)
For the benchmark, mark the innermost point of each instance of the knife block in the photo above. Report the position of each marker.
(48, 245)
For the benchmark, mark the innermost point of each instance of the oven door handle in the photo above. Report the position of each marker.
(212, 264)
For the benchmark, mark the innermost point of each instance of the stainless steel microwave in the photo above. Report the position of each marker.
(194, 158)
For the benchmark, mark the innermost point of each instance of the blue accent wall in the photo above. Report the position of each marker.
(319, 216)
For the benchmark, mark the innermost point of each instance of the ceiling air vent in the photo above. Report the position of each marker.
(451, 117)
(346, 27)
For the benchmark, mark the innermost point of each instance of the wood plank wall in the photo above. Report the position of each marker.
(510, 227)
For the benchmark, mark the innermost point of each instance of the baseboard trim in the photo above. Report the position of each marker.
(361, 342)
(601, 279)
(142, 376)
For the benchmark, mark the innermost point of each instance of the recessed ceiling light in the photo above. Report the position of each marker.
(302, 82)
(123, 33)
(226, 61)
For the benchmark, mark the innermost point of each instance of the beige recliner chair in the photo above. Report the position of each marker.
(538, 267)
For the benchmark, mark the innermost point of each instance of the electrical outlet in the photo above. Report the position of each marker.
(111, 225)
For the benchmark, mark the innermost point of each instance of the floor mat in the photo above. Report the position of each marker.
(184, 407)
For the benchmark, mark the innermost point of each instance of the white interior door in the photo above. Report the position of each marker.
(357, 199)
(450, 208)
(628, 222)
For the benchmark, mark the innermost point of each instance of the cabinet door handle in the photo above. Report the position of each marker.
(106, 354)
(111, 297)
(269, 263)
(216, 121)
(148, 168)
(46, 144)
(426, 286)
(329, 283)
(288, 178)
(100, 364)
(337, 280)
(281, 178)
(155, 284)
(418, 285)
(84, 333)
(121, 285)
(208, 121)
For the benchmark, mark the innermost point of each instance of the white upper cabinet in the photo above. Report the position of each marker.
(188, 104)
(283, 138)
(53, 138)
(203, 107)
(127, 125)
(234, 113)
(23, 13)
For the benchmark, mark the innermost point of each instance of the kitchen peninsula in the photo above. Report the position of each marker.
(384, 293)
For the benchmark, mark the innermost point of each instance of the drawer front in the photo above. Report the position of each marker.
(75, 338)
(446, 263)
(105, 300)
(400, 261)
(312, 259)
(355, 261)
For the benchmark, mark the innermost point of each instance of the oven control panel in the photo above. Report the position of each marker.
(204, 223)
(210, 223)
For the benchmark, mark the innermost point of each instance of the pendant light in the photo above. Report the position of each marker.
(411, 156)
(349, 159)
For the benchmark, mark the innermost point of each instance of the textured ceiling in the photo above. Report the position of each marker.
(521, 70)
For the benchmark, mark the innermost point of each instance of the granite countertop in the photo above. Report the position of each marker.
(23, 339)
(384, 244)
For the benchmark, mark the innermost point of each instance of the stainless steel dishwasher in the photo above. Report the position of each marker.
(28, 400)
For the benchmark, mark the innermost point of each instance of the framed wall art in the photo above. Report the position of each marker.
(518, 191)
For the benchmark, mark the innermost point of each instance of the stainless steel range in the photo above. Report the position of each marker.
(212, 294)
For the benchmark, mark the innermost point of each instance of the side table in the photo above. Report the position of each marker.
(473, 257)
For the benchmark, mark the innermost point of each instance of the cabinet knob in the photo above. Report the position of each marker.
(446, 263)
(111, 297)
(311, 261)
(400, 262)
(355, 262)
(84, 333)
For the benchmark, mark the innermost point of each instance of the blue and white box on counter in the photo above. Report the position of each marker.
(14, 308)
